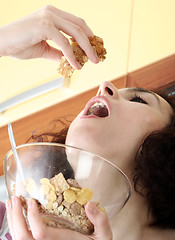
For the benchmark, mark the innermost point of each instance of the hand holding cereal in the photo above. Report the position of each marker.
(27, 37)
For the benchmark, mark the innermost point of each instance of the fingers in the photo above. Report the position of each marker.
(38, 228)
(55, 21)
(71, 18)
(49, 52)
(77, 33)
(19, 230)
(41, 231)
(42, 49)
(16, 220)
(52, 54)
(102, 228)
(9, 217)
(65, 47)
(24, 38)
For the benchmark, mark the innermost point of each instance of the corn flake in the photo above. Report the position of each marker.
(69, 196)
(44, 189)
(84, 196)
(51, 196)
(44, 181)
(31, 186)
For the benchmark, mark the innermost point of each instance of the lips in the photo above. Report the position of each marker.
(98, 106)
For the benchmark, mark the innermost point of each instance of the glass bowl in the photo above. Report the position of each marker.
(88, 176)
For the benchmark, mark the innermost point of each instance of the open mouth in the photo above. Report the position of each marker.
(98, 109)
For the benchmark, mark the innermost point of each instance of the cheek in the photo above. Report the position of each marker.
(145, 122)
(153, 122)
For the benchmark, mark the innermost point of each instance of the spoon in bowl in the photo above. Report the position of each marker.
(13, 144)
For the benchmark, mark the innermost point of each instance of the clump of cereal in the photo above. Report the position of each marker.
(66, 70)
(63, 198)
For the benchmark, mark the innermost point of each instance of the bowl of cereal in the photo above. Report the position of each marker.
(63, 179)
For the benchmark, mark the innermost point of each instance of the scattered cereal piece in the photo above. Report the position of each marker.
(60, 208)
(75, 208)
(44, 189)
(73, 183)
(31, 186)
(103, 210)
(55, 205)
(84, 196)
(59, 198)
(60, 183)
(50, 205)
(76, 190)
(66, 204)
(45, 181)
(69, 196)
(51, 196)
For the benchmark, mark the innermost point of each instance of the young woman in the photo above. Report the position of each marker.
(136, 133)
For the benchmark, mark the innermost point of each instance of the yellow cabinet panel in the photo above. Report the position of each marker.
(153, 32)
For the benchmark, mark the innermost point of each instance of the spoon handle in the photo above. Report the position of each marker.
(13, 144)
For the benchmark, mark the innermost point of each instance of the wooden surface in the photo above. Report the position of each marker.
(151, 77)
(154, 75)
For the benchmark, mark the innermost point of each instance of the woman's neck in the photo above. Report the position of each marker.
(132, 222)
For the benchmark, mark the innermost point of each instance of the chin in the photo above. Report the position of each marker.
(84, 143)
(87, 137)
(79, 143)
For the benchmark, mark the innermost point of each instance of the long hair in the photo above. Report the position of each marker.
(154, 176)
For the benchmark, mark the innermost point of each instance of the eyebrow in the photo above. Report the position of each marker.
(135, 89)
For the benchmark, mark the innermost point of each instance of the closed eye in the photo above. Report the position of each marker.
(138, 99)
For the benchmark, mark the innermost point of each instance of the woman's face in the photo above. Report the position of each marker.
(116, 128)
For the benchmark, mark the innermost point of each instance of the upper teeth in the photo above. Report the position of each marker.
(96, 105)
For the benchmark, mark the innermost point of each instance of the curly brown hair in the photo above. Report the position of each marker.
(54, 135)
(154, 176)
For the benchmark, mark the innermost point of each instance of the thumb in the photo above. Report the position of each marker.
(52, 53)
(102, 229)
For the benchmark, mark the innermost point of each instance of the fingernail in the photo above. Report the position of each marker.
(96, 59)
(92, 208)
(79, 66)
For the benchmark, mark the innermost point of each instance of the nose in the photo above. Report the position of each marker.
(107, 88)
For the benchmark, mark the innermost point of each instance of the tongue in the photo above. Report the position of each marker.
(100, 112)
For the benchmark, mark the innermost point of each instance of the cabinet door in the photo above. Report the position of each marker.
(153, 33)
